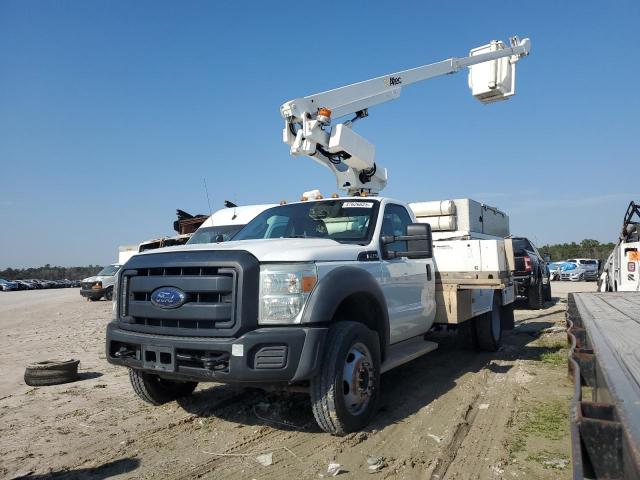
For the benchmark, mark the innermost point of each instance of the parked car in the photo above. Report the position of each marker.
(573, 272)
(554, 270)
(8, 285)
(100, 285)
(36, 283)
(24, 285)
(531, 274)
(589, 265)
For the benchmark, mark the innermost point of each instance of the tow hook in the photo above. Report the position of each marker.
(125, 353)
(215, 363)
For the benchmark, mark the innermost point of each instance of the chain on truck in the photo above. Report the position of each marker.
(325, 295)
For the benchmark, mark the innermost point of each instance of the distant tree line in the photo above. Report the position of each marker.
(585, 249)
(49, 272)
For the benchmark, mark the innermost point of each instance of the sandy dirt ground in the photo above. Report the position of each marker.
(452, 414)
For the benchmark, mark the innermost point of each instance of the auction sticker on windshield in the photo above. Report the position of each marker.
(357, 205)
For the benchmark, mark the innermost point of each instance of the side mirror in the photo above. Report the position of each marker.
(419, 242)
(219, 238)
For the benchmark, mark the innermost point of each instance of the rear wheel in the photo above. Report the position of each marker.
(489, 328)
(344, 394)
(466, 334)
(155, 390)
(536, 296)
(547, 291)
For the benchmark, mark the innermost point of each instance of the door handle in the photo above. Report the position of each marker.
(428, 272)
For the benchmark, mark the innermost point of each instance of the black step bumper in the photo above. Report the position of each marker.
(93, 293)
(262, 356)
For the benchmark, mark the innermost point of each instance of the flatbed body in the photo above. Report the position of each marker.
(605, 422)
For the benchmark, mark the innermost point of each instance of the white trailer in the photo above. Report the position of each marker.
(125, 252)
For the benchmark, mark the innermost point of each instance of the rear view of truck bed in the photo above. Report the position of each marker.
(468, 274)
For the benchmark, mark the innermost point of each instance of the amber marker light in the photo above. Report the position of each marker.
(308, 283)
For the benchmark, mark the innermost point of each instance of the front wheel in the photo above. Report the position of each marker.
(155, 390)
(109, 295)
(344, 394)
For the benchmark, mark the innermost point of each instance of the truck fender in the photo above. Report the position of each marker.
(338, 285)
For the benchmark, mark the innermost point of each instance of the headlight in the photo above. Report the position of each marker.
(114, 303)
(284, 289)
(96, 285)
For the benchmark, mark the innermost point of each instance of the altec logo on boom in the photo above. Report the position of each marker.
(392, 81)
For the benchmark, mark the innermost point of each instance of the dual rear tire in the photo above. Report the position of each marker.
(489, 328)
(484, 332)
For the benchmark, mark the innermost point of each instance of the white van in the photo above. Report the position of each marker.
(225, 223)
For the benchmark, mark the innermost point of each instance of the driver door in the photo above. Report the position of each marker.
(407, 284)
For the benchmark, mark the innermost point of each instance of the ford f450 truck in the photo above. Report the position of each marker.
(325, 295)
(320, 295)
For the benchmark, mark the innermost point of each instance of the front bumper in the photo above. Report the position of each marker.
(262, 356)
(93, 293)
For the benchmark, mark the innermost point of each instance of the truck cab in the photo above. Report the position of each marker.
(322, 295)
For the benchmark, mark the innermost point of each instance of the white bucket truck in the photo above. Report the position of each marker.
(324, 294)
(621, 271)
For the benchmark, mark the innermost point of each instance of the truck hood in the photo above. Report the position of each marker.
(279, 249)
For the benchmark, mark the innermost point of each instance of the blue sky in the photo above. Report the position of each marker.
(112, 113)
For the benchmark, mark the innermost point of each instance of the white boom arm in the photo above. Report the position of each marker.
(349, 156)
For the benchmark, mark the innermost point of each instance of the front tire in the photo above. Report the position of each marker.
(109, 294)
(155, 390)
(344, 394)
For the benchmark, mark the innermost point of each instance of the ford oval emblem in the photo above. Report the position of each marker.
(168, 297)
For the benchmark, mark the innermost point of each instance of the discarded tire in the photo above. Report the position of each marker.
(51, 373)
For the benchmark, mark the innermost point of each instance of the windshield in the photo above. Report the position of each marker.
(221, 233)
(340, 220)
(109, 270)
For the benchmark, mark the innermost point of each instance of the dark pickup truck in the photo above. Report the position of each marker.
(531, 274)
